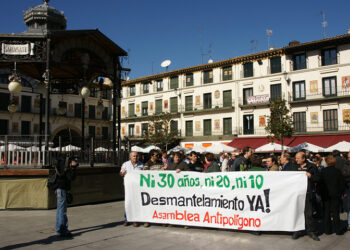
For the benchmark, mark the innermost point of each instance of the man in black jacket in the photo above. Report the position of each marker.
(65, 169)
(313, 177)
(332, 188)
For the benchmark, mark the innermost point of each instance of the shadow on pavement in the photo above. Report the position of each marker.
(53, 238)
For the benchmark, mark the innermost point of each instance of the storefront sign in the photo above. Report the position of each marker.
(258, 99)
(17, 49)
(233, 200)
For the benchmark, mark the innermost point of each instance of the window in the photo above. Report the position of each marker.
(248, 69)
(25, 128)
(299, 121)
(246, 93)
(92, 131)
(105, 113)
(131, 109)
(131, 130)
(92, 113)
(208, 76)
(144, 106)
(275, 63)
(275, 92)
(207, 127)
(227, 98)
(173, 105)
(189, 79)
(132, 90)
(227, 126)
(77, 110)
(189, 128)
(159, 109)
(105, 133)
(329, 56)
(174, 127)
(174, 82)
(248, 124)
(105, 94)
(227, 73)
(207, 101)
(299, 90)
(4, 101)
(330, 120)
(159, 84)
(26, 103)
(144, 129)
(4, 126)
(145, 87)
(188, 103)
(299, 62)
(329, 86)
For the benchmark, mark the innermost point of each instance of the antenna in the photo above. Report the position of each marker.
(201, 45)
(324, 23)
(268, 33)
(165, 64)
(209, 53)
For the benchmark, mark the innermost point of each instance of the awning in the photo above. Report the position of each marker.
(324, 141)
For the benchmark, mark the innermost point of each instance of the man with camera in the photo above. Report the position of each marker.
(65, 173)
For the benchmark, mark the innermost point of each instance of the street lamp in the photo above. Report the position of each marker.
(12, 107)
(15, 85)
(85, 92)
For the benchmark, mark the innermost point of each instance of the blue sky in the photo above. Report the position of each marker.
(155, 30)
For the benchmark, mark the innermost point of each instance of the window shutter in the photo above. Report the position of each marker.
(207, 127)
(174, 82)
(227, 95)
(159, 106)
(188, 103)
(189, 128)
(173, 105)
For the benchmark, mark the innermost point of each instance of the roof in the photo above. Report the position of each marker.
(246, 58)
(324, 141)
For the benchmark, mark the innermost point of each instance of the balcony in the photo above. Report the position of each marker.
(318, 95)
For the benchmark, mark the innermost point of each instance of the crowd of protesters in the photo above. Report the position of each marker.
(328, 188)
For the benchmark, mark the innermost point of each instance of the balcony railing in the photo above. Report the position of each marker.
(318, 94)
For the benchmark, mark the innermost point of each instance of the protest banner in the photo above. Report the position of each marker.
(258, 201)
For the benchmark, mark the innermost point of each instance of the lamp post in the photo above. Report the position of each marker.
(85, 93)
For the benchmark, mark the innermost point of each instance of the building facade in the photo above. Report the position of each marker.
(219, 101)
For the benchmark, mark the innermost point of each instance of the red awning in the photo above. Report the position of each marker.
(324, 141)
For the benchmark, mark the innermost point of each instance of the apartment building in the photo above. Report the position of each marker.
(223, 100)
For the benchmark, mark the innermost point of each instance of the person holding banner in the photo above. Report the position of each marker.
(128, 166)
(313, 177)
(195, 164)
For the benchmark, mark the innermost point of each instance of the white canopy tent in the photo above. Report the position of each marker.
(219, 148)
(177, 149)
(342, 146)
(101, 149)
(149, 148)
(70, 148)
(307, 146)
(271, 147)
(137, 149)
(11, 147)
(198, 149)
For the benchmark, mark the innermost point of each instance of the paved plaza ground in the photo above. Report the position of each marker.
(101, 227)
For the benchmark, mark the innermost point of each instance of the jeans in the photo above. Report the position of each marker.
(61, 213)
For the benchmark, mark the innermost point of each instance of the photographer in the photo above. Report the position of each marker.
(65, 170)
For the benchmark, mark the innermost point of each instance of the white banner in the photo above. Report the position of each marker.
(259, 201)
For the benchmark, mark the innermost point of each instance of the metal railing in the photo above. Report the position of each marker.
(318, 94)
(30, 152)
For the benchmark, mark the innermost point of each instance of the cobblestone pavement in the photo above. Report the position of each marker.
(101, 227)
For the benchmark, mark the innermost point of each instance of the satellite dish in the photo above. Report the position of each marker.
(165, 64)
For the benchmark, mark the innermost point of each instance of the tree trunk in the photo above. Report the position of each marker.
(282, 145)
